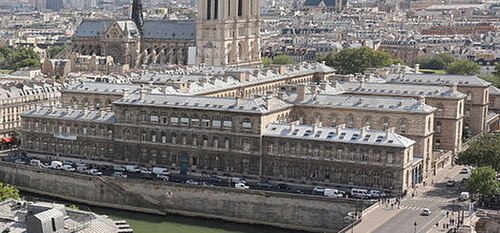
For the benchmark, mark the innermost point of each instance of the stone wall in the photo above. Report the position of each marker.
(311, 213)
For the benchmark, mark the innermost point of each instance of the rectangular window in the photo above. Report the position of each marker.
(209, 9)
(185, 121)
(205, 123)
(240, 7)
(164, 120)
(195, 122)
(216, 124)
(216, 9)
(247, 125)
(154, 119)
(228, 124)
(174, 120)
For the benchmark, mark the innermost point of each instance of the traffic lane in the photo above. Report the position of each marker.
(405, 220)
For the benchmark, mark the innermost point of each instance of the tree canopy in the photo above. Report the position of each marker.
(483, 181)
(8, 192)
(356, 60)
(54, 50)
(436, 62)
(497, 70)
(282, 60)
(14, 59)
(463, 67)
(483, 151)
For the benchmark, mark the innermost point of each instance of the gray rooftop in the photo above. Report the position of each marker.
(102, 88)
(169, 29)
(339, 134)
(408, 90)
(438, 79)
(91, 28)
(378, 103)
(260, 105)
(72, 114)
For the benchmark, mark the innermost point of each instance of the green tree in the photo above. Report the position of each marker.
(436, 62)
(8, 192)
(14, 59)
(463, 67)
(356, 60)
(483, 181)
(54, 50)
(266, 61)
(483, 151)
(282, 60)
(497, 70)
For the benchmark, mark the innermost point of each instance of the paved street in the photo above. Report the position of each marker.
(438, 197)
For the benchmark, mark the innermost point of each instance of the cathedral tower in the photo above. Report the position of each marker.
(137, 15)
(228, 32)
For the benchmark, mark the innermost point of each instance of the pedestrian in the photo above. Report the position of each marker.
(444, 226)
(447, 225)
(437, 224)
(399, 205)
(447, 213)
(392, 206)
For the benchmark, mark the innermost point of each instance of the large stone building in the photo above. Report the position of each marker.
(225, 33)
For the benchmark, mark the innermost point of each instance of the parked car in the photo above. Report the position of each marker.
(343, 193)
(264, 184)
(465, 170)
(215, 179)
(19, 161)
(332, 193)
(82, 169)
(35, 162)
(162, 177)
(450, 183)
(66, 162)
(146, 171)
(283, 186)
(464, 180)
(94, 172)
(318, 190)
(118, 168)
(119, 175)
(426, 212)
(360, 193)
(376, 193)
(68, 168)
(58, 165)
(160, 170)
(238, 180)
(192, 182)
(241, 186)
(133, 168)
(464, 196)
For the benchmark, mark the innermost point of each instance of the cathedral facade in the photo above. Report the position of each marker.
(226, 33)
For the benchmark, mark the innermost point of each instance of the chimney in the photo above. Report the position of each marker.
(339, 127)
(142, 93)
(417, 68)
(421, 99)
(388, 132)
(454, 87)
(301, 92)
(125, 92)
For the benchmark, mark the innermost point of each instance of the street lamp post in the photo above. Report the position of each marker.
(415, 227)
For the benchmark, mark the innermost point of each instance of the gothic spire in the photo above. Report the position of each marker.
(137, 16)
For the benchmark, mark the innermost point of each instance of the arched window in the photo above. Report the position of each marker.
(163, 137)
(153, 136)
(438, 127)
(385, 123)
(403, 123)
(173, 138)
(143, 136)
(215, 142)
(246, 124)
(350, 121)
(367, 121)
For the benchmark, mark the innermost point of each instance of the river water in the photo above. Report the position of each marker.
(150, 223)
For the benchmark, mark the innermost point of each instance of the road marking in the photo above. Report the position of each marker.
(432, 220)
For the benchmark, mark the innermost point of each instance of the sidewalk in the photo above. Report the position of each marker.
(470, 220)
(378, 216)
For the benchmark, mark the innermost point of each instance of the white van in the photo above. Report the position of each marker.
(160, 171)
(58, 165)
(132, 168)
(360, 193)
(35, 162)
(464, 196)
(241, 186)
(333, 193)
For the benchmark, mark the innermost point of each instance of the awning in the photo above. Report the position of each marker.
(7, 140)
